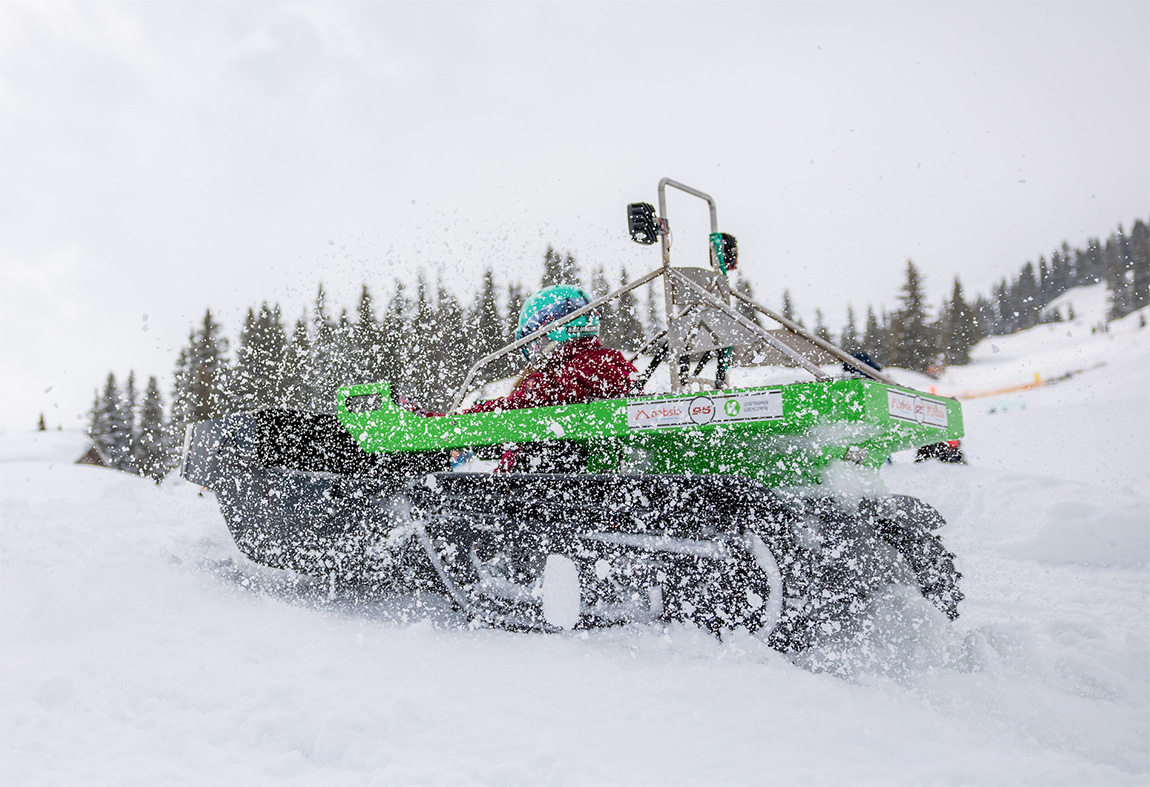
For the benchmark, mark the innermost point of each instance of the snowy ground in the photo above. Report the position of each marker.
(138, 647)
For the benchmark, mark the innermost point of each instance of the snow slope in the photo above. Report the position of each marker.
(138, 647)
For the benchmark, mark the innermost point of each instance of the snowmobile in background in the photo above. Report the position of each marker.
(703, 503)
(948, 451)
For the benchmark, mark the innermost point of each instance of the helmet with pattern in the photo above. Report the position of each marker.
(551, 304)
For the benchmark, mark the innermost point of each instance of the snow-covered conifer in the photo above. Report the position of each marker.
(959, 328)
(151, 452)
(110, 427)
(874, 337)
(912, 341)
(207, 371)
(743, 287)
(849, 341)
(627, 330)
(821, 330)
(485, 325)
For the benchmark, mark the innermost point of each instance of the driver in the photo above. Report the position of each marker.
(567, 365)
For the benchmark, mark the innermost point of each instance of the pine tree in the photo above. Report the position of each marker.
(608, 325)
(1045, 283)
(207, 372)
(344, 354)
(600, 286)
(396, 339)
(1091, 264)
(179, 416)
(1120, 275)
(984, 315)
(1059, 271)
(552, 268)
(849, 342)
(257, 379)
(243, 379)
(40, 425)
(453, 358)
(326, 349)
(151, 452)
(874, 338)
(559, 269)
(128, 414)
(912, 344)
(297, 391)
(571, 271)
(275, 340)
(1140, 264)
(369, 342)
(516, 297)
(486, 328)
(788, 306)
(1026, 298)
(99, 417)
(743, 287)
(110, 425)
(425, 383)
(820, 328)
(960, 328)
(1004, 316)
(628, 330)
(656, 308)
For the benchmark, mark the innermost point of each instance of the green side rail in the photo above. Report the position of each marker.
(778, 435)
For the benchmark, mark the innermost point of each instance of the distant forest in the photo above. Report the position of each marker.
(426, 338)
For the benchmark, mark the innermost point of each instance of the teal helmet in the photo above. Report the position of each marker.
(549, 305)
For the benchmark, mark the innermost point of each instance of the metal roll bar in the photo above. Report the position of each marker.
(709, 300)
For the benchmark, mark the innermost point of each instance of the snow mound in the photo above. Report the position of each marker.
(1088, 304)
(50, 446)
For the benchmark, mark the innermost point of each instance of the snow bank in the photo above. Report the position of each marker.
(63, 447)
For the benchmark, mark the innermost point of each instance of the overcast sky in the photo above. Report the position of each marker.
(157, 158)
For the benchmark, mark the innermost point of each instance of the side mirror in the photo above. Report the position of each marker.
(724, 251)
(642, 223)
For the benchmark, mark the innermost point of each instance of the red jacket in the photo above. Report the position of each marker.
(578, 370)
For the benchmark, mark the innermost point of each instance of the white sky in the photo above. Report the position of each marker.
(157, 158)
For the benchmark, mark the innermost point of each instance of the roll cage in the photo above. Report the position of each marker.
(701, 322)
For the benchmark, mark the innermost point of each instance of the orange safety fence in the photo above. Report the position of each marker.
(1035, 383)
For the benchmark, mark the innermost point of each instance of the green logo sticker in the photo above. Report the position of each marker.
(731, 408)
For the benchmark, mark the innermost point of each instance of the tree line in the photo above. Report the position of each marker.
(425, 339)
(911, 338)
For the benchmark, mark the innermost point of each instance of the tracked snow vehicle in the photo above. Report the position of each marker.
(703, 502)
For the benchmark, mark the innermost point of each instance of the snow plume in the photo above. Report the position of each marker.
(850, 483)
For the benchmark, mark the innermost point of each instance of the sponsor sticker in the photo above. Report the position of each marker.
(706, 409)
(911, 407)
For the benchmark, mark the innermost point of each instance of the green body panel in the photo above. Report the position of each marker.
(778, 435)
